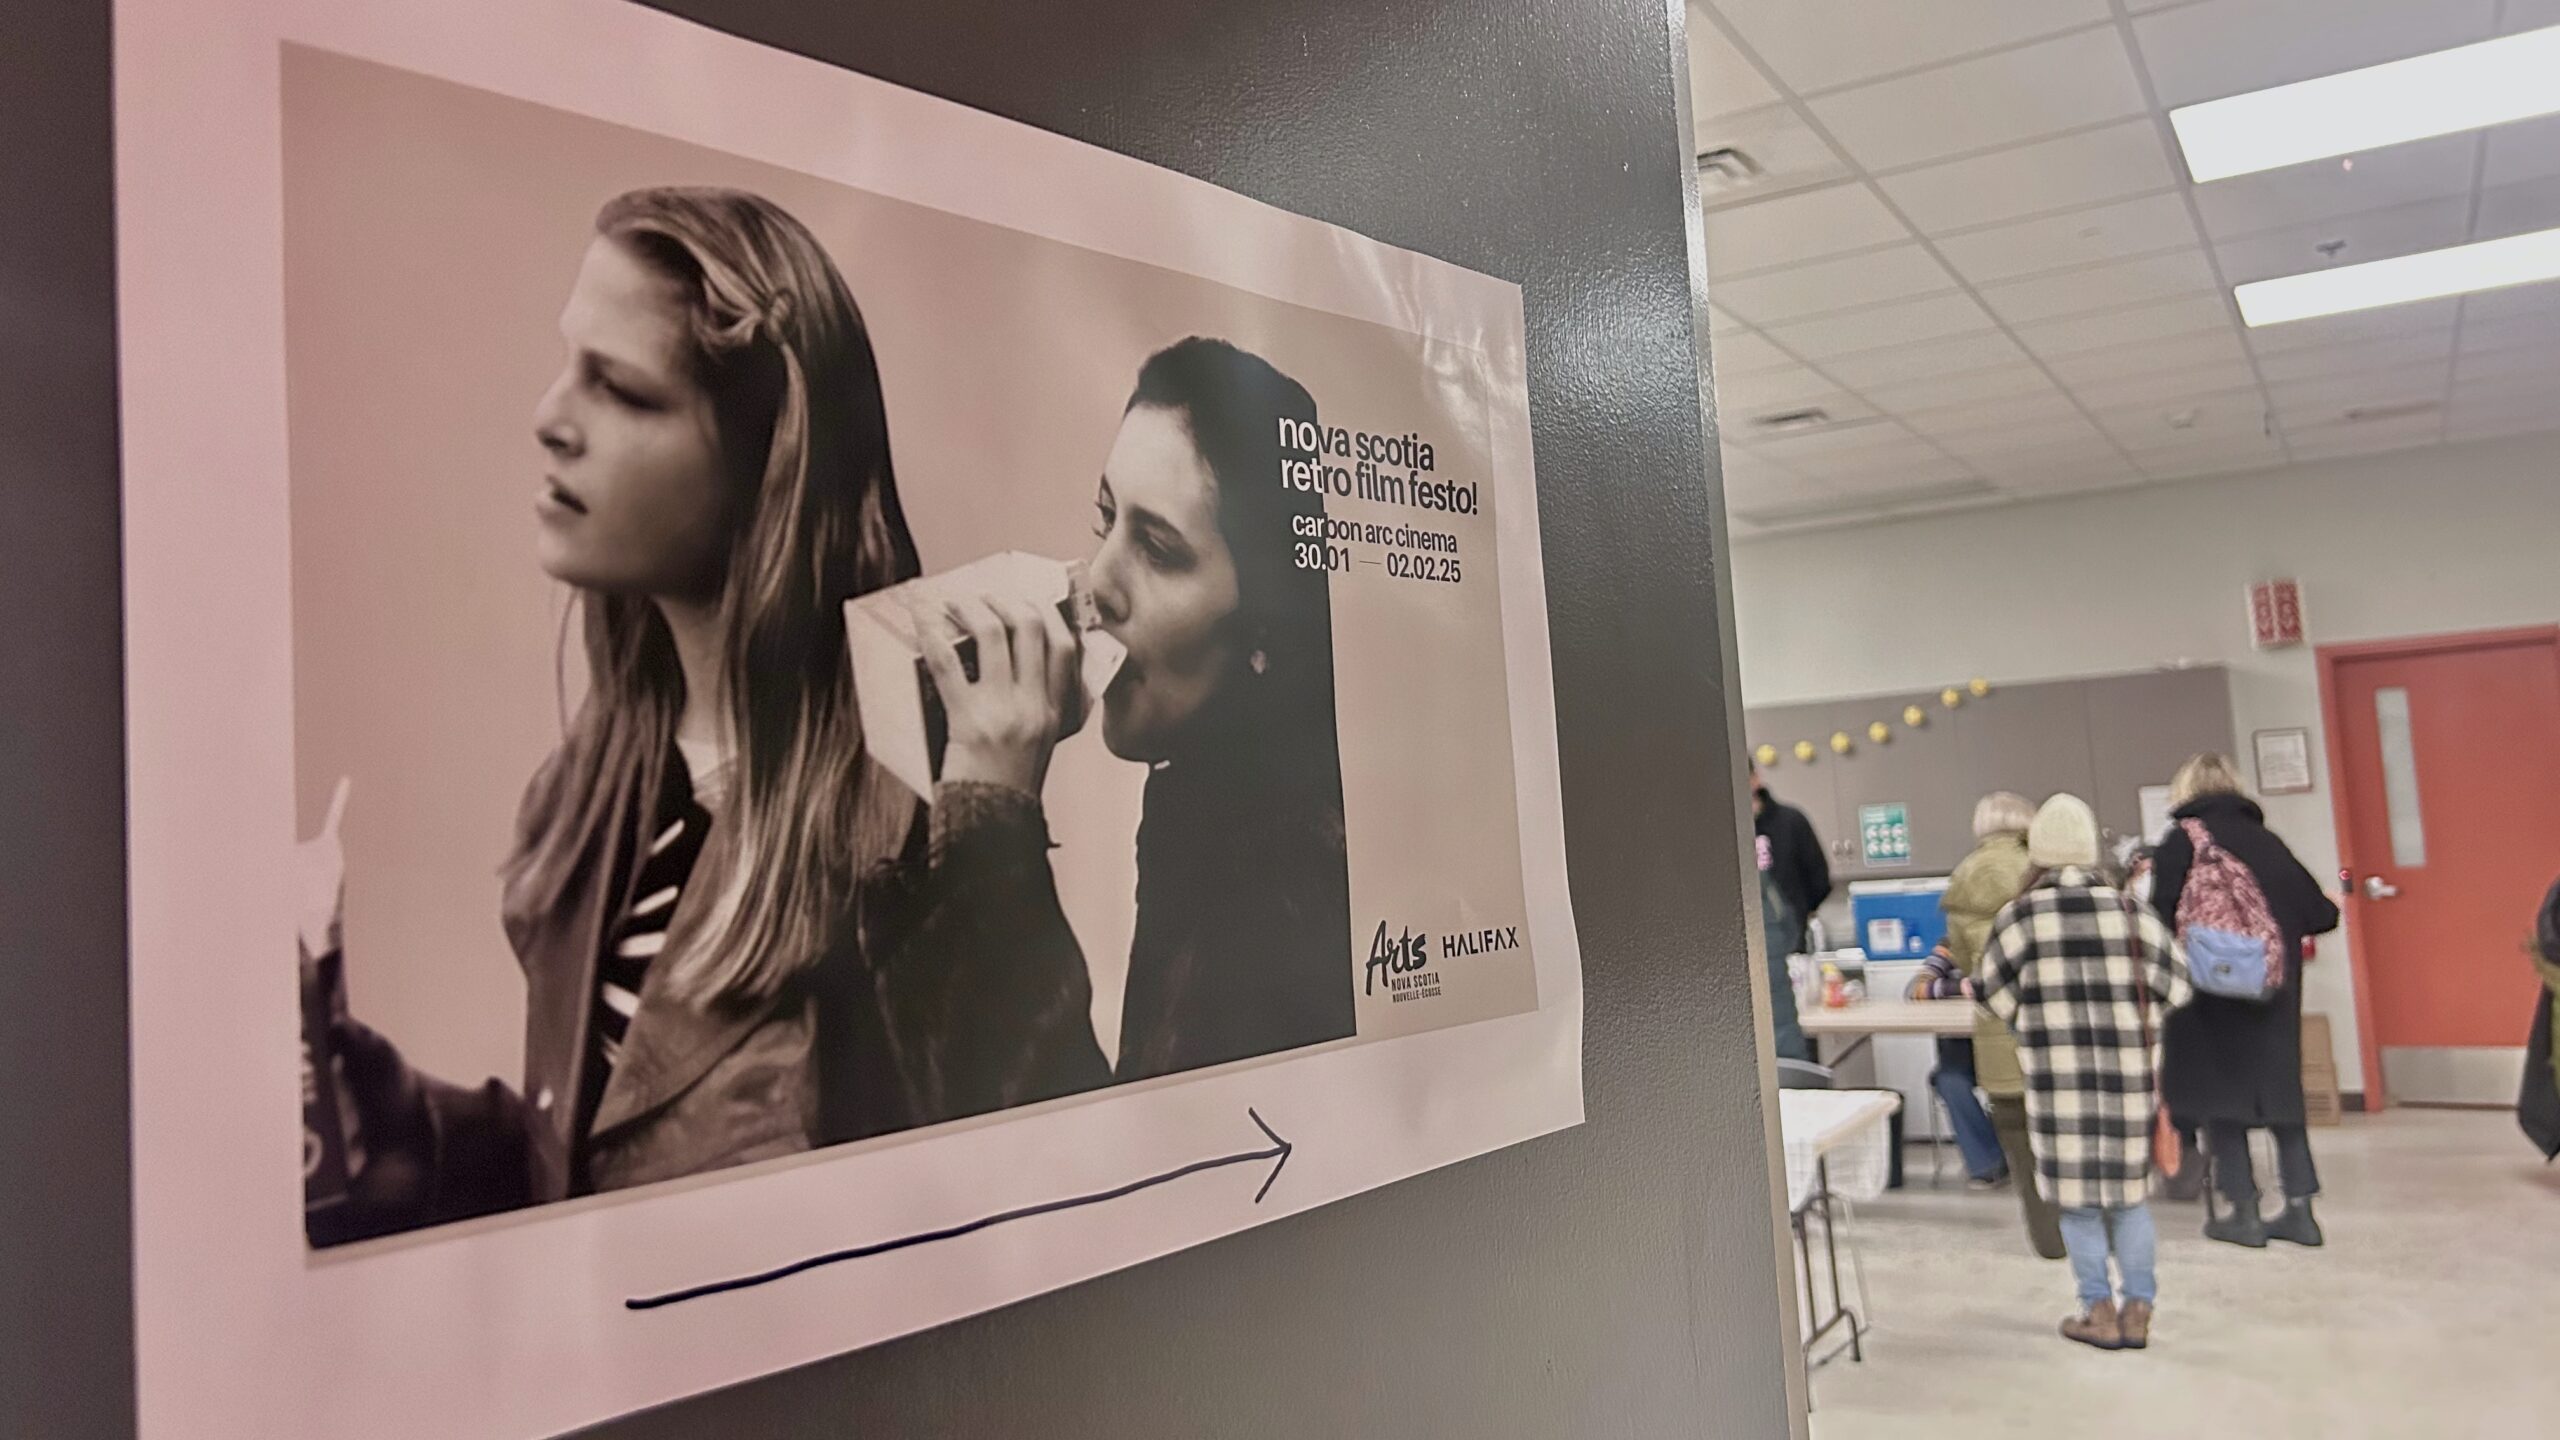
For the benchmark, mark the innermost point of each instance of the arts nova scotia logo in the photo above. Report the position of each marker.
(1401, 958)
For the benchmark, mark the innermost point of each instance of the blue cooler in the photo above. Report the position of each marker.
(1898, 919)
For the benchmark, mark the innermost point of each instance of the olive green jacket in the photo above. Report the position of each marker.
(1984, 882)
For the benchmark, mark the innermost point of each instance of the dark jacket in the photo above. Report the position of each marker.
(954, 987)
(1794, 855)
(1782, 934)
(1243, 944)
(2239, 1062)
(2538, 1099)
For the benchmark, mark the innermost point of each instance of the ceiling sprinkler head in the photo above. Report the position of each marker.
(2329, 249)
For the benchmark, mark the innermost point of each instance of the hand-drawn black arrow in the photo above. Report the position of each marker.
(1278, 1151)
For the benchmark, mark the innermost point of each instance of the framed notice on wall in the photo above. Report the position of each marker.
(848, 711)
(2284, 761)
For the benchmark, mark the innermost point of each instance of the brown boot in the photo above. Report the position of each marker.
(2096, 1326)
(2135, 1324)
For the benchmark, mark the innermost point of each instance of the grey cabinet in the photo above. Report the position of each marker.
(2101, 739)
(2143, 727)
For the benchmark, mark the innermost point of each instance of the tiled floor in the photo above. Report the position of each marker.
(2433, 1312)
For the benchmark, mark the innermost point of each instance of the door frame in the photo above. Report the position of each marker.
(2329, 658)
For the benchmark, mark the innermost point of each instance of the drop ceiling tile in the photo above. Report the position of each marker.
(2114, 231)
(1743, 399)
(2328, 189)
(2072, 434)
(1972, 387)
(2523, 150)
(2489, 335)
(2109, 164)
(1743, 352)
(2511, 389)
(1894, 465)
(1962, 423)
(1791, 229)
(2234, 416)
(2465, 430)
(2390, 322)
(2508, 393)
(2539, 365)
(2199, 351)
(2356, 356)
(2518, 209)
(2487, 417)
(2051, 484)
(2166, 387)
(1779, 385)
(1902, 322)
(1819, 44)
(2110, 286)
(2371, 235)
(2050, 467)
(2230, 47)
(1790, 155)
(1721, 324)
(1721, 82)
(1795, 449)
(2338, 442)
(2514, 300)
(2334, 395)
(1754, 492)
(2213, 458)
(1981, 350)
(1994, 100)
(2080, 334)
(1824, 287)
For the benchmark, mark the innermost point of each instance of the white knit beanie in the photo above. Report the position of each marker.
(2065, 833)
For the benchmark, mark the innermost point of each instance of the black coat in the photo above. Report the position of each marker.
(1795, 855)
(2239, 1062)
(2538, 1099)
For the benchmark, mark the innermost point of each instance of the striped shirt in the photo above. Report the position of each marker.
(635, 941)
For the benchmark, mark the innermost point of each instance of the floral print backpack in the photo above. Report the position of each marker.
(2234, 947)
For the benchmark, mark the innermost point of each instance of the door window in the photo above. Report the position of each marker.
(2400, 777)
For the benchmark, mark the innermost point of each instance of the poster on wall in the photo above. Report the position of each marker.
(1884, 834)
(842, 712)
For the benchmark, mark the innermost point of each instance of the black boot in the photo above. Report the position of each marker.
(2294, 1223)
(2241, 1227)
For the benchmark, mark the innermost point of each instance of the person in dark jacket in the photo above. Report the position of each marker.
(2232, 1066)
(1790, 852)
(1243, 944)
(1781, 934)
(2538, 1098)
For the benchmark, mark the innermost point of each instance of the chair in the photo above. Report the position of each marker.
(1803, 1075)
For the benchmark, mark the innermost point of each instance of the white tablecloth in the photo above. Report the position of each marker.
(1847, 1128)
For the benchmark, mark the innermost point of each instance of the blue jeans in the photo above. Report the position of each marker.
(1976, 1140)
(2086, 1233)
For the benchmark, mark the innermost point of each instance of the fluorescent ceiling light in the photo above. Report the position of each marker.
(2513, 78)
(2487, 265)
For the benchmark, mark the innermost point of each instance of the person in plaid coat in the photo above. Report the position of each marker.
(2085, 978)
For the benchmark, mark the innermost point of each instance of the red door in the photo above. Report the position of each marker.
(2448, 760)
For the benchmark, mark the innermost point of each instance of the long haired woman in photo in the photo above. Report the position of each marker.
(740, 937)
(1243, 937)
